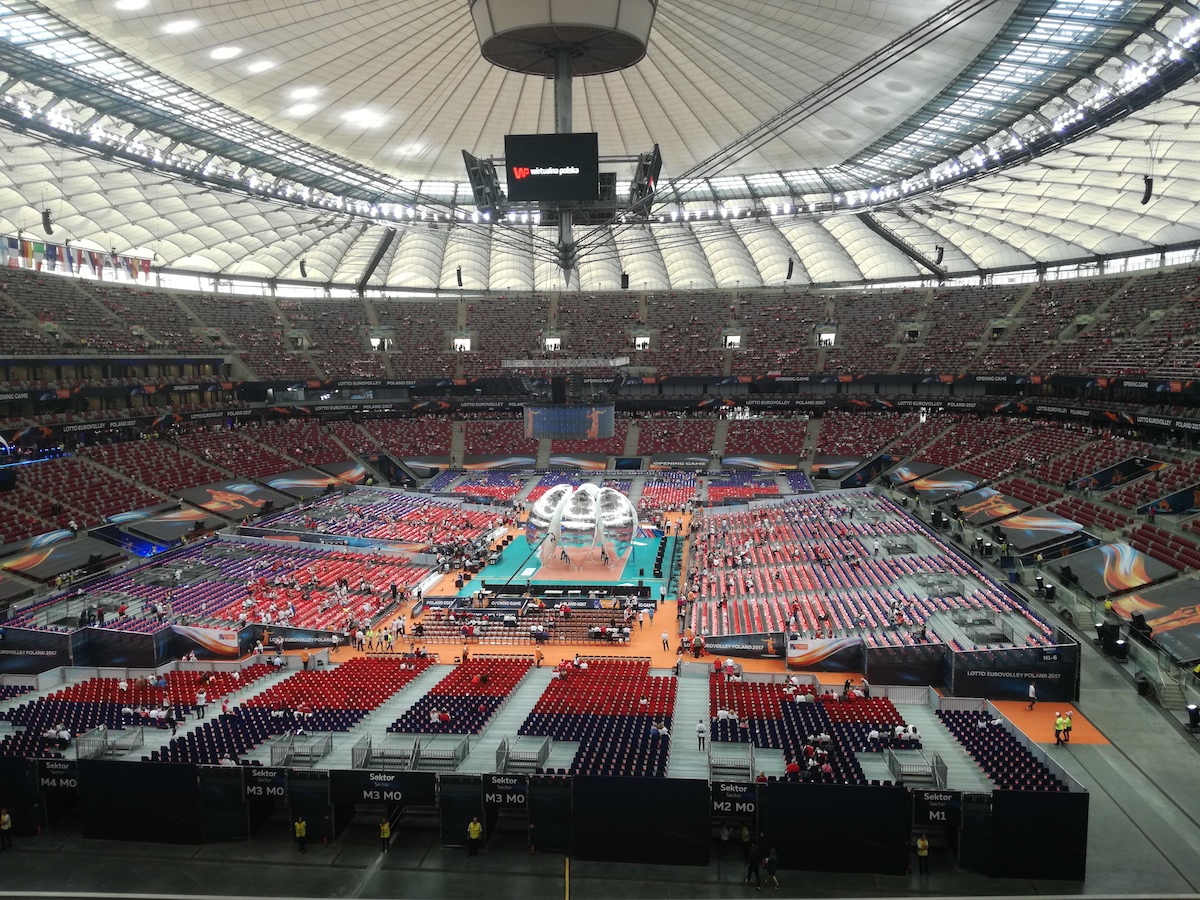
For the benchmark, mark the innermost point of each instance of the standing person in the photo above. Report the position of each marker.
(923, 855)
(666, 641)
(201, 702)
(641, 618)
(1032, 695)
(723, 834)
(538, 656)
(754, 866)
(701, 734)
(304, 658)
(1060, 725)
(474, 836)
(745, 841)
(772, 864)
(1067, 723)
(301, 830)
(385, 834)
(5, 829)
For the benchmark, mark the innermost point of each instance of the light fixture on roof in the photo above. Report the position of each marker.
(260, 65)
(301, 109)
(179, 26)
(304, 93)
(224, 53)
(129, 5)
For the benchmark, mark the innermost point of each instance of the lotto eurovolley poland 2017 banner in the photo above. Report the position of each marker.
(768, 645)
(825, 654)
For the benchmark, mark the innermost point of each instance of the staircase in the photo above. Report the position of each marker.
(543, 454)
(691, 706)
(632, 434)
(720, 438)
(962, 772)
(1170, 694)
(507, 722)
(458, 443)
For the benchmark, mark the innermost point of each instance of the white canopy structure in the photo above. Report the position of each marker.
(879, 142)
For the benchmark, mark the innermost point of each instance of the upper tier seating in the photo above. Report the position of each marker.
(999, 753)
(469, 696)
(155, 463)
(774, 437)
(675, 436)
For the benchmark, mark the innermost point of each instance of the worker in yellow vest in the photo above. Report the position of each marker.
(474, 836)
(923, 855)
(1060, 726)
(385, 834)
(301, 829)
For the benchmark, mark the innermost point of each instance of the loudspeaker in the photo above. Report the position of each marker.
(303, 268)
(1138, 623)
(791, 268)
(458, 275)
(1148, 190)
(624, 281)
(46, 224)
(941, 253)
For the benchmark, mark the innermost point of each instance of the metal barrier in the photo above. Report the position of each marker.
(902, 693)
(730, 761)
(396, 752)
(441, 757)
(941, 772)
(281, 749)
(502, 756)
(909, 770)
(92, 744)
(360, 753)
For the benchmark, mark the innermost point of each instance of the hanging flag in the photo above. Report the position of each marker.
(146, 268)
(4, 252)
(39, 254)
(27, 253)
(79, 260)
(128, 264)
(13, 247)
(97, 261)
(51, 257)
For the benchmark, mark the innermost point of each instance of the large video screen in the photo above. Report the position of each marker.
(552, 166)
(569, 423)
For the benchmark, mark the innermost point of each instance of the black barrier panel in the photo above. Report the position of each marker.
(133, 801)
(974, 838)
(837, 827)
(1039, 834)
(18, 793)
(224, 813)
(361, 786)
(460, 799)
(265, 789)
(1005, 674)
(735, 800)
(26, 651)
(126, 649)
(58, 787)
(550, 814)
(308, 796)
(642, 820)
(916, 664)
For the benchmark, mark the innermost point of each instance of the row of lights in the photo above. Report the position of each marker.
(301, 98)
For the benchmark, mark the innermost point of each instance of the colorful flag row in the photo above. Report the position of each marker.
(21, 253)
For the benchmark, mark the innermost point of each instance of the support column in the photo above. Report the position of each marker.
(563, 108)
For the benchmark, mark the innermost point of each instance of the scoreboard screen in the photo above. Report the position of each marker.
(569, 423)
(552, 166)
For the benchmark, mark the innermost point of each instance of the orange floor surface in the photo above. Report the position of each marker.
(1038, 724)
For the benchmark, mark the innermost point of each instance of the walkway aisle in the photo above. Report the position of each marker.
(962, 772)
(691, 705)
(506, 722)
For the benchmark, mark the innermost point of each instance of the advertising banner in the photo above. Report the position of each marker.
(769, 645)
(911, 471)
(1178, 503)
(1172, 611)
(1111, 569)
(761, 463)
(833, 467)
(871, 470)
(690, 462)
(592, 461)
(1006, 674)
(907, 664)
(236, 500)
(206, 643)
(25, 651)
(1032, 529)
(493, 462)
(843, 654)
(984, 506)
(1118, 474)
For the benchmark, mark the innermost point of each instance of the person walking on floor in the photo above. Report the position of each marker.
(1032, 694)
(1067, 723)
(1060, 725)
(538, 656)
(5, 829)
(385, 835)
(201, 702)
(304, 658)
(772, 865)
(923, 855)
(301, 830)
(754, 866)
(666, 641)
(701, 734)
(474, 836)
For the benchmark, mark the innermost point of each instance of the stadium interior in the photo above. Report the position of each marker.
(807, 464)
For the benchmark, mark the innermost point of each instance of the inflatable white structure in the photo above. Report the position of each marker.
(581, 522)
